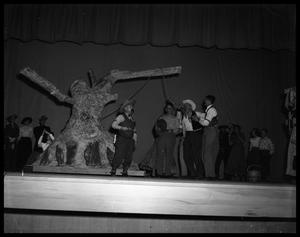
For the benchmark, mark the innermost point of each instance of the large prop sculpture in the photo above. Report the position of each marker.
(84, 142)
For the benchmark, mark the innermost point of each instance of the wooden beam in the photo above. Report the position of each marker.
(147, 196)
(125, 75)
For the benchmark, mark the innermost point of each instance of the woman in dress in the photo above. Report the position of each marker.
(254, 152)
(164, 161)
(11, 134)
(24, 142)
(236, 165)
(151, 163)
(173, 128)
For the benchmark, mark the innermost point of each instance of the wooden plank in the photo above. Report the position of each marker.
(90, 170)
(148, 196)
(123, 75)
(53, 223)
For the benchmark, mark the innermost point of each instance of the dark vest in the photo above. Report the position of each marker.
(129, 124)
(196, 125)
(214, 121)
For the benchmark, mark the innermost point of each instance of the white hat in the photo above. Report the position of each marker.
(192, 103)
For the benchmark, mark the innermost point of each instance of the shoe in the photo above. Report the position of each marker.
(113, 173)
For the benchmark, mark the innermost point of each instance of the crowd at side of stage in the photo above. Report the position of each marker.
(187, 143)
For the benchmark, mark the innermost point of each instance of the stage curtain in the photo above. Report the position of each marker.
(222, 26)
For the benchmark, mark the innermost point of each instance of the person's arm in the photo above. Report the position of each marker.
(271, 147)
(135, 137)
(40, 140)
(31, 133)
(209, 116)
(119, 119)
(250, 145)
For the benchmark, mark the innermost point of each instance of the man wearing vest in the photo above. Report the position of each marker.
(126, 137)
(210, 137)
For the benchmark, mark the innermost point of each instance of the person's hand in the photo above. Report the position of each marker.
(195, 118)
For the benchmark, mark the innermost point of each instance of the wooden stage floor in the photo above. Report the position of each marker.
(244, 207)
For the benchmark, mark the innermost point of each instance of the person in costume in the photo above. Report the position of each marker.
(266, 148)
(192, 143)
(126, 138)
(38, 131)
(24, 142)
(210, 137)
(11, 134)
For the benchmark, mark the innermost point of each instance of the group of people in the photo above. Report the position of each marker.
(187, 142)
(191, 140)
(198, 130)
(235, 156)
(18, 141)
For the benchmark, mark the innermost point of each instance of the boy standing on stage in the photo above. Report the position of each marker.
(126, 137)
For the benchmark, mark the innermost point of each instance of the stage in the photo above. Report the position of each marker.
(40, 202)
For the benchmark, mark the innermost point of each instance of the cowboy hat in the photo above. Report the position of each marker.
(10, 117)
(192, 103)
(127, 102)
(26, 119)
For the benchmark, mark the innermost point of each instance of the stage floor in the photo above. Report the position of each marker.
(143, 196)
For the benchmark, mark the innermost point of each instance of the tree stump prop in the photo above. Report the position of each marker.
(84, 142)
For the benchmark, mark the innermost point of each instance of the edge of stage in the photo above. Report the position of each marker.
(154, 197)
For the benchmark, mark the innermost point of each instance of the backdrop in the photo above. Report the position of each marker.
(248, 84)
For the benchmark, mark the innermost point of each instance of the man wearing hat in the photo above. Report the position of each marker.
(11, 134)
(38, 131)
(192, 143)
(126, 137)
(210, 137)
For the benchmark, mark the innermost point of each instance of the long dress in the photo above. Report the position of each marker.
(165, 162)
(173, 125)
(236, 164)
(11, 133)
(24, 146)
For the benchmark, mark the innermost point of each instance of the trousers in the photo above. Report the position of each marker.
(124, 148)
(210, 150)
(192, 153)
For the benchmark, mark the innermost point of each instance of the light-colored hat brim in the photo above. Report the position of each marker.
(192, 103)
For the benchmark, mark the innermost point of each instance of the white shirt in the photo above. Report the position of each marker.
(186, 123)
(26, 131)
(254, 142)
(43, 145)
(210, 114)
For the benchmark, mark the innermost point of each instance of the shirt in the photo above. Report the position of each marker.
(210, 114)
(266, 144)
(254, 142)
(173, 122)
(119, 119)
(26, 131)
(187, 122)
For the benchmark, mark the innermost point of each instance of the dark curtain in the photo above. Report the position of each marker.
(222, 26)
